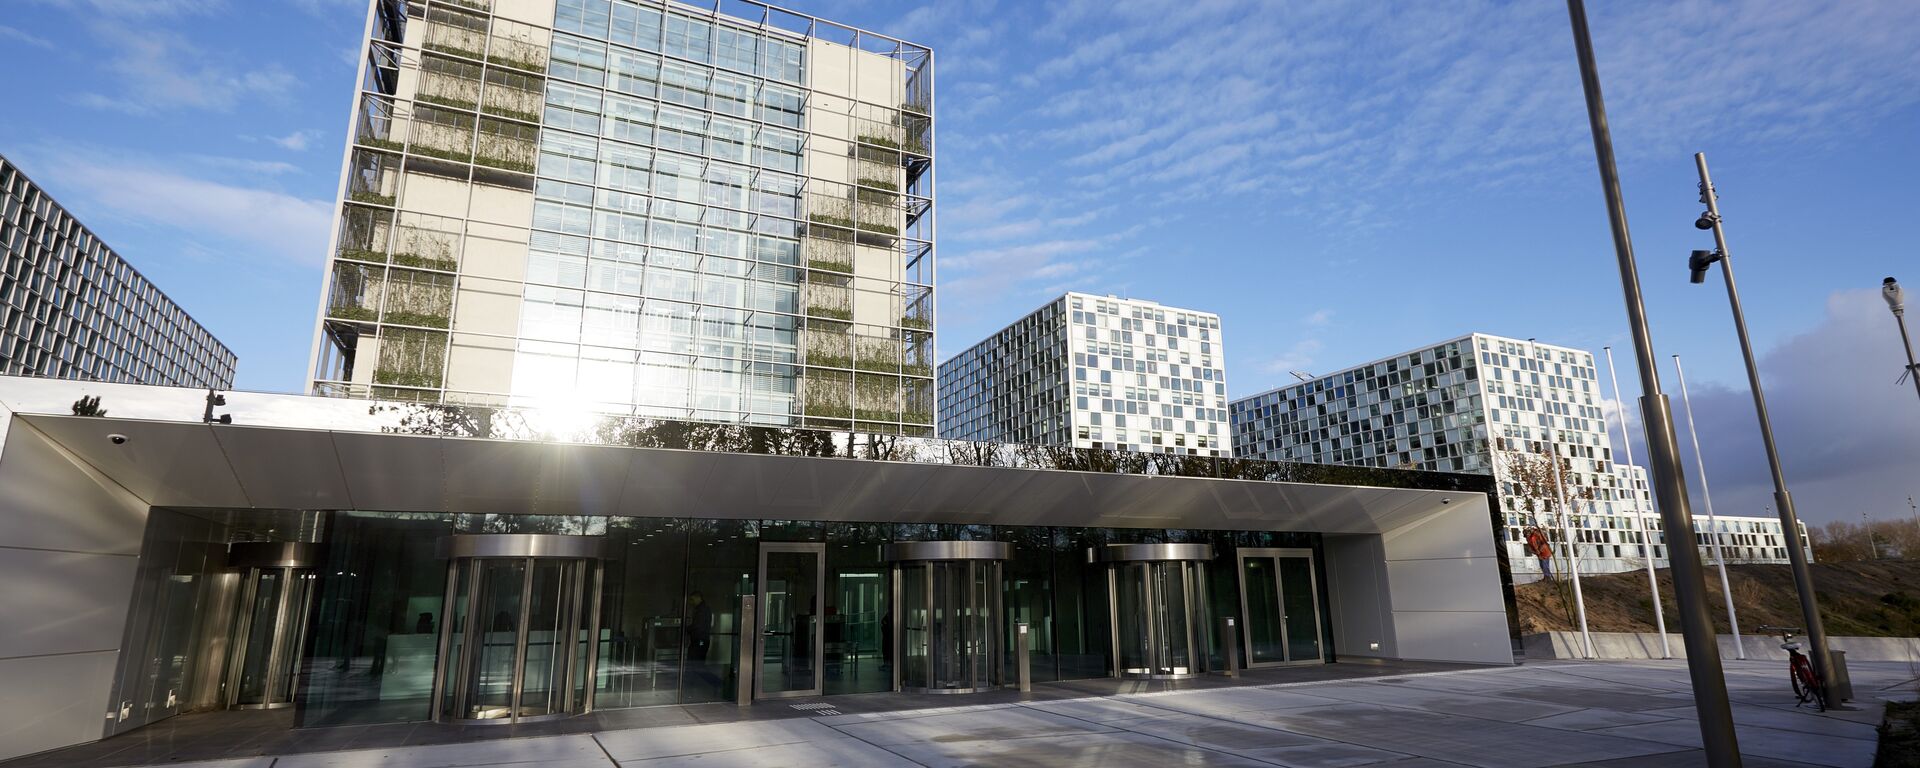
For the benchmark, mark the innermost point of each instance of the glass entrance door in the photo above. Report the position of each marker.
(1159, 623)
(1280, 600)
(792, 578)
(518, 644)
(950, 625)
(274, 602)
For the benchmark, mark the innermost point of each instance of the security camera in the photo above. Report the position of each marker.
(1698, 263)
(1705, 221)
(117, 439)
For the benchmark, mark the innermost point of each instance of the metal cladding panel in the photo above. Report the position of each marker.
(52, 500)
(668, 484)
(393, 473)
(283, 468)
(954, 492)
(582, 480)
(170, 465)
(493, 477)
(52, 601)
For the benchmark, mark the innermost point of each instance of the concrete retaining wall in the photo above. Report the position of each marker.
(1646, 645)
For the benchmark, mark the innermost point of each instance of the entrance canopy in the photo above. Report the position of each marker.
(1412, 567)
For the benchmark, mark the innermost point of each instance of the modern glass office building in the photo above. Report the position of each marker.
(715, 212)
(1094, 372)
(71, 308)
(1491, 405)
(354, 561)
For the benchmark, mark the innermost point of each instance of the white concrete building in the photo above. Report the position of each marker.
(1480, 403)
(1094, 372)
(636, 206)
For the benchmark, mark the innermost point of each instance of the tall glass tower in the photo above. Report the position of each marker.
(720, 212)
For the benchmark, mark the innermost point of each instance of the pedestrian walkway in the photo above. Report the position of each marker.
(1637, 713)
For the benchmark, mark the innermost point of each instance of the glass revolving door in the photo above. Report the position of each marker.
(1158, 598)
(522, 617)
(276, 592)
(947, 623)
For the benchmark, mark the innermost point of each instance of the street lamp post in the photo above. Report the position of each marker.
(1896, 301)
(1646, 536)
(1704, 670)
(1789, 522)
(1713, 525)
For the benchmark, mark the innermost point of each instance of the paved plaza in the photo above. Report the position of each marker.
(1556, 713)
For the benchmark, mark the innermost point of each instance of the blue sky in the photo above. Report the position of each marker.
(1339, 180)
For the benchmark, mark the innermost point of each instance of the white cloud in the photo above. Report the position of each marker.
(159, 70)
(1849, 436)
(9, 33)
(254, 220)
(298, 141)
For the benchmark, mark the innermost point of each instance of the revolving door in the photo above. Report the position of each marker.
(519, 638)
(947, 622)
(276, 592)
(1157, 596)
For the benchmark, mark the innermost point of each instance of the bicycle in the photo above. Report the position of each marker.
(1806, 684)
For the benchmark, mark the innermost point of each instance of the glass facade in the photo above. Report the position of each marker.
(1094, 372)
(669, 594)
(71, 308)
(638, 208)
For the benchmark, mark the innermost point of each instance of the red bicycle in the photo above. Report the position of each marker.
(1806, 684)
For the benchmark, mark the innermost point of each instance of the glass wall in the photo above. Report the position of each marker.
(669, 602)
(376, 624)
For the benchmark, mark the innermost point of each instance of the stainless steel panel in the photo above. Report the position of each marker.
(52, 501)
(395, 473)
(291, 469)
(522, 545)
(62, 602)
(1134, 553)
(272, 554)
(54, 701)
(949, 550)
(167, 465)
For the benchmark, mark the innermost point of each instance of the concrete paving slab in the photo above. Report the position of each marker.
(1804, 721)
(1593, 719)
(569, 751)
(1332, 754)
(1797, 746)
(1113, 749)
(653, 743)
(1501, 706)
(1009, 724)
(845, 753)
(1459, 739)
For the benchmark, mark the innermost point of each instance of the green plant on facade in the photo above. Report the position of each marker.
(512, 114)
(359, 254)
(350, 312)
(830, 265)
(368, 141)
(499, 60)
(834, 313)
(869, 414)
(424, 262)
(451, 50)
(443, 154)
(885, 229)
(829, 411)
(831, 220)
(406, 379)
(917, 369)
(917, 417)
(518, 166)
(471, 5)
(422, 319)
(446, 101)
(371, 198)
(916, 323)
(881, 184)
(875, 196)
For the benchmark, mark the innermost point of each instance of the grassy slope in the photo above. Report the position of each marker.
(1880, 598)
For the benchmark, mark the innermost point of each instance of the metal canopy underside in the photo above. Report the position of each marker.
(175, 464)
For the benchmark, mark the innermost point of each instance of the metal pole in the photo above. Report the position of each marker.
(1689, 586)
(1867, 527)
(1573, 546)
(747, 668)
(1802, 575)
(1906, 344)
(1229, 647)
(1646, 538)
(1023, 665)
(1713, 525)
